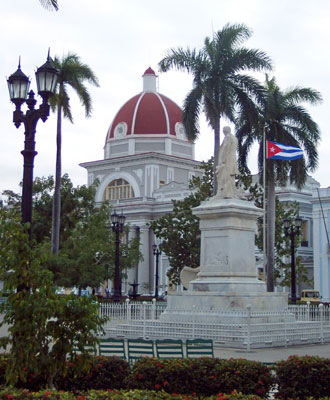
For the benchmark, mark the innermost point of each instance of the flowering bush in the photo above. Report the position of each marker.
(301, 377)
(104, 373)
(245, 376)
(203, 376)
(10, 394)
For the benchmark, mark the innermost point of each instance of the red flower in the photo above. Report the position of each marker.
(9, 396)
(237, 372)
(100, 365)
(139, 376)
(259, 391)
(165, 383)
(46, 394)
(109, 390)
(81, 397)
(260, 382)
(157, 386)
(212, 376)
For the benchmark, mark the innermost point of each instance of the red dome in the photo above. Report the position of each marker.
(149, 71)
(147, 113)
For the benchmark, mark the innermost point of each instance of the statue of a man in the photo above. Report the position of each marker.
(227, 166)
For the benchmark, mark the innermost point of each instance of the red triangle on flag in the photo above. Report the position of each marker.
(272, 149)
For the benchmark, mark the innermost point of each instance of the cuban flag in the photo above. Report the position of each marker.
(278, 151)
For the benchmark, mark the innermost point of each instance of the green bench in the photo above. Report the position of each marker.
(169, 348)
(196, 348)
(112, 348)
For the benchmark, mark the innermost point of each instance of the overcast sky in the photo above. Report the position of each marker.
(120, 39)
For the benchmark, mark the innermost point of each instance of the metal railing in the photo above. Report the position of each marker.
(298, 324)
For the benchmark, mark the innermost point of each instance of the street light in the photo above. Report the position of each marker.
(157, 253)
(117, 222)
(18, 86)
(293, 231)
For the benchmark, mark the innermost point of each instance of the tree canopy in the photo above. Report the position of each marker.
(279, 116)
(220, 83)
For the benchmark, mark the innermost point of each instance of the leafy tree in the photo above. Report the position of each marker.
(87, 251)
(72, 73)
(77, 203)
(220, 85)
(283, 119)
(42, 326)
(87, 257)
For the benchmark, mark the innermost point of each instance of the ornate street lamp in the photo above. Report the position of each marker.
(293, 231)
(18, 86)
(157, 253)
(117, 222)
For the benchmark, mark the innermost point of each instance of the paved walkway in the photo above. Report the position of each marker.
(270, 355)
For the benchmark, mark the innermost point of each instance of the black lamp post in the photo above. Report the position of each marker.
(18, 85)
(117, 222)
(293, 231)
(157, 253)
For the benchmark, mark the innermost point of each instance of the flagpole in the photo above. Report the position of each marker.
(264, 206)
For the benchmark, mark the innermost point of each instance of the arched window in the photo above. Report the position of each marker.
(118, 189)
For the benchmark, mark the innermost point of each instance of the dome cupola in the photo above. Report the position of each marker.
(145, 122)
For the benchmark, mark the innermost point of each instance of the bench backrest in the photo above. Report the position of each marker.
(138, 348)
(199, 348)
(112, 347)
(169, 348)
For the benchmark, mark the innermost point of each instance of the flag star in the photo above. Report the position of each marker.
(272, 149)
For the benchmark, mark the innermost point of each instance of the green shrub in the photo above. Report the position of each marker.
(301, 377)
(245, 376)
(202, 376)
(11, 394)
(104, 373)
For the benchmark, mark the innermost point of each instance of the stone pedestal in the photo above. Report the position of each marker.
(228, 277)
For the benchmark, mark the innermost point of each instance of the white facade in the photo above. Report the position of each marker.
(321, 226)
(148, 162)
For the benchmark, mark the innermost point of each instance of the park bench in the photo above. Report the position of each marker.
(138, 348)
(199, 348)
(169, 348)
(112, 348)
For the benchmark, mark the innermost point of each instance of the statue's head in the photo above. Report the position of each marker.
(226, 130)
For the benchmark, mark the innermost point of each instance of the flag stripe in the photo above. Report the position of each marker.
(278, 151)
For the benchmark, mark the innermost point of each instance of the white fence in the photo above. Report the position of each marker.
(311, 324)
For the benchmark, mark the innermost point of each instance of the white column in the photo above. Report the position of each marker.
(144, 265)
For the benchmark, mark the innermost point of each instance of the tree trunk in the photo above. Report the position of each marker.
(216, 154)
(270, 227)
(56, 214)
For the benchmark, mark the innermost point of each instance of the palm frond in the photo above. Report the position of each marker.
(50, 4)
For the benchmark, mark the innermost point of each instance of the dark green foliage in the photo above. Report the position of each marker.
(77, 203)
(103, 373)
(43, 326)
(87, 252)
(303, 377)
(202, 376)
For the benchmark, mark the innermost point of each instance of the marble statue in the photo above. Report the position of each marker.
(227, 167)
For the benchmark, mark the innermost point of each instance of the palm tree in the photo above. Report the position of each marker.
(49, 4)
(219, 82)
(72, 73)
(283, 119)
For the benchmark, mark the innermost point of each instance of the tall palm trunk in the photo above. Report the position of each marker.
(56, 214)
(216, 154)
(270, 226)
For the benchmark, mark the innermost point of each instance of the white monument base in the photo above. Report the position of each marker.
(227, 280)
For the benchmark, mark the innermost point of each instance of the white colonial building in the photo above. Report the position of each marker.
(321, 247)
(148, 161)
